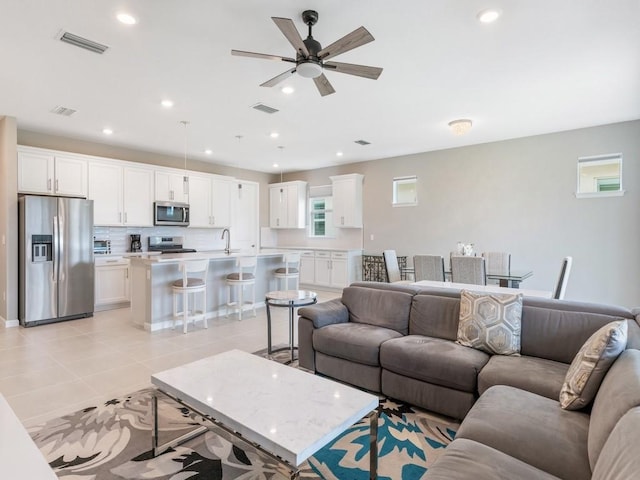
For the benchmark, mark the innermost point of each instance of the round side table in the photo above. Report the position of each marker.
(290, 299)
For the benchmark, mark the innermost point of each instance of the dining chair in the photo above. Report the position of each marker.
(563, 278)
(392, 267)
(428, 267)
(497, 262)
(466, 269)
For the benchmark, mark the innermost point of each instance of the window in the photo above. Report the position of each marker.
(600, 176)
(321, 212)
(405, 191)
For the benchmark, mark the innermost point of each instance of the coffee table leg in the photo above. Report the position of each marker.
(154, 419)
(373, 445)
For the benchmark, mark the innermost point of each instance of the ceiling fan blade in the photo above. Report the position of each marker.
(359, 70)
(264, 56)
(360, 36)
(289, 30)
(279, 78)
(324, 87)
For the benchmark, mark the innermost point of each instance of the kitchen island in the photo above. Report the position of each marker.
(152, 276)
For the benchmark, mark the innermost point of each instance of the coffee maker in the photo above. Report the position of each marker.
(136, 244)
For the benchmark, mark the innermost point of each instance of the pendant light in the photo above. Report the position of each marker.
(185, 177)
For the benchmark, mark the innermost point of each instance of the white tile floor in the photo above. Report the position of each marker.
(50, 370)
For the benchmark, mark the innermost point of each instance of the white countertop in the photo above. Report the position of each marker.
(204, 255)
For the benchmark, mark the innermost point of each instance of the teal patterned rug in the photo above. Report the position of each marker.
(113, 441)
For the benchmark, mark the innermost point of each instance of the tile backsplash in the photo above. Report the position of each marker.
(197, 238)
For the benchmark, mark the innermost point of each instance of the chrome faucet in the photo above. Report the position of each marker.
(227, 248)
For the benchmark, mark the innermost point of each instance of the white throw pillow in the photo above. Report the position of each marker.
(490, 322)
(591, 364)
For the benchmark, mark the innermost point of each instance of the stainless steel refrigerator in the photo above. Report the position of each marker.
(56, 272)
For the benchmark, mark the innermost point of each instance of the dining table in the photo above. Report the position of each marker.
(483, 288)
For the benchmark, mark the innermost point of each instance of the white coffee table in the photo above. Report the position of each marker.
(288, 413)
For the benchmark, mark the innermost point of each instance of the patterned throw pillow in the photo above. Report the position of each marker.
(591, 364)
(490, 322)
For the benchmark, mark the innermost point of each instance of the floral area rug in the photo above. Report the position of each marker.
(113, 441)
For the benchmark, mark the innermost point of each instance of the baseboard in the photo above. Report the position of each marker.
(9, 323)
(221, 312)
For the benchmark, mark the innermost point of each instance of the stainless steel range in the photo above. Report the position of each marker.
(168, 245)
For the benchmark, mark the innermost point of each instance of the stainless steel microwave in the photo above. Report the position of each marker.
(171, 213)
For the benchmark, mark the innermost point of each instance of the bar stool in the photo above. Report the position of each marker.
(291, 270)
(246, 275)
(193, 281)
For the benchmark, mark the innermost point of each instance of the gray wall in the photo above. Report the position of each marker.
(516, 196)
(8, 221)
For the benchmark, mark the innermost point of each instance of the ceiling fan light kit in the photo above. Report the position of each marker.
(310, 58)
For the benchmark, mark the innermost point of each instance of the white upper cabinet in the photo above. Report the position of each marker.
(45, 172)
(221, 201)
(138, 196)
(122, 196)
(170, 187)
(288, 204)
(105, 189)
(347, 200)
(209, 201)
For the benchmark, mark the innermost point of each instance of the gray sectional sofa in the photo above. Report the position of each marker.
(399, 340)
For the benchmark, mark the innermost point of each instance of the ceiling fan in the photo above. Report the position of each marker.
(311, 58)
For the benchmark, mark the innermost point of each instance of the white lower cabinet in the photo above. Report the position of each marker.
(111, 283)
(333, 269)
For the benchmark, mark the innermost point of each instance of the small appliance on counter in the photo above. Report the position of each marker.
(101, 247)
(136, 244)
(168, 245)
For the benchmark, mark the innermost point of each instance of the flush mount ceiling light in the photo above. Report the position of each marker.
(126, 18)
(489, 15)
(461, 126)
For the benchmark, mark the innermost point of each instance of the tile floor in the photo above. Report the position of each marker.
(49, 370)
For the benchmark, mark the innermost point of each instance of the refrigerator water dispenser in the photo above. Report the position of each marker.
(41, 250)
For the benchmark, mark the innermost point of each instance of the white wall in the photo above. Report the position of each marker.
(8, 221)
(515, 196)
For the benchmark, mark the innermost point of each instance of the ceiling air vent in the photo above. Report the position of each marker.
(82, 42)
(64, 111)
(264, 108)
(362, 142)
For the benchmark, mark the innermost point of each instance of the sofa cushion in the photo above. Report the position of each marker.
(619, 459)
(435, 316)
(591, 364)
(490, 322)
(388, 309)
(618, 393)
(357, 342)
(434, 360)
(535, 375)
(468, 460)
(558, 334)
(531, 428)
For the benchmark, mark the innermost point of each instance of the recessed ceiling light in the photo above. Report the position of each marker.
(167, 103)
(126, 18)
(107, 131)
(208, 151)
(339, 154)
(288, 90)
(460, 126)
(489, 15)
(274, 135)
(275, 165)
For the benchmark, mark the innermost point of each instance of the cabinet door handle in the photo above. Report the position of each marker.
(171, 194)
(57, 185)
(125, 217)
(119, 217)
(213, 220)
(48, 184)
(277, 222)
(342, 219)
